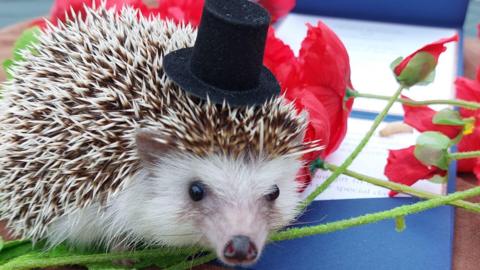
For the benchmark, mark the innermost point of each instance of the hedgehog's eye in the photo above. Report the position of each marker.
(196, 191)
(273, 195)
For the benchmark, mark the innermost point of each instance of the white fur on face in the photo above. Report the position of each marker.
(235, 202)
(158, 210)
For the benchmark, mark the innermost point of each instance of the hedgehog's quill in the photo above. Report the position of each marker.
(117, 131)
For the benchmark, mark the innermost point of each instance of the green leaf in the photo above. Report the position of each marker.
(7, 64)
(107, 266)
(60, 250)
(432, 149)
(395, 63)
(14, 243)
(1, 243)
(17, 250)
(417, 70)
(26, 39)
(161, 262)
(448, 117)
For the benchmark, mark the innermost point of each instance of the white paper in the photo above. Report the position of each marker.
(372, 46)
(371, 161)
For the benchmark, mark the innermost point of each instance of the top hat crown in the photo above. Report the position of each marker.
(225, 63)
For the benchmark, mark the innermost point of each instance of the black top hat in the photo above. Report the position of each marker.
(226, 61)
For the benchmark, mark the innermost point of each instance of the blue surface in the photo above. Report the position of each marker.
(425, 244)
(449, 13)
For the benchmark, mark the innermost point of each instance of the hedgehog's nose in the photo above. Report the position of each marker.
(240, 250)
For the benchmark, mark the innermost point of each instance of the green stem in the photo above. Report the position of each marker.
(192, 263)
(464, 155)
(374, 217)
(456, 140)
(400, 224)
(403, 188)
(41, 260)
(356, 151)
(454, 102)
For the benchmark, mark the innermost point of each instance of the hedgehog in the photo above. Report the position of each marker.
(100, 148)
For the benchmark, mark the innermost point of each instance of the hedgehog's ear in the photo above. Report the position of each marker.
(150, 146)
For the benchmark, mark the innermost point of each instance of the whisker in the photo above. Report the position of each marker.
(309, 222)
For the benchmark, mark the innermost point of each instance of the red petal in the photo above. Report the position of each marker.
(40, 22)
(336, 114)
(277, 8)
(468, 89)
(281, 61)
(420, 118)
(62, 7)
(304, 177)
(189, 11)
(435, 49)
(324, 69)
(403, 167)
(319, 125)
(476, 170)
(138, 4)
(324, 60)
(469, 142)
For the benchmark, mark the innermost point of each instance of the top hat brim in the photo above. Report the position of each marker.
(177, 67)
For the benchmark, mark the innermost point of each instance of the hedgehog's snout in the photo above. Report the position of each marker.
(236, 231)
(240, 250)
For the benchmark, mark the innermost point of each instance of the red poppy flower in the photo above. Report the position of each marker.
(321, 69)
(324, 59)
(421, 118)
(325, 69)
(404, 168)
(468, 89)
(317, 81)
(417, 66)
